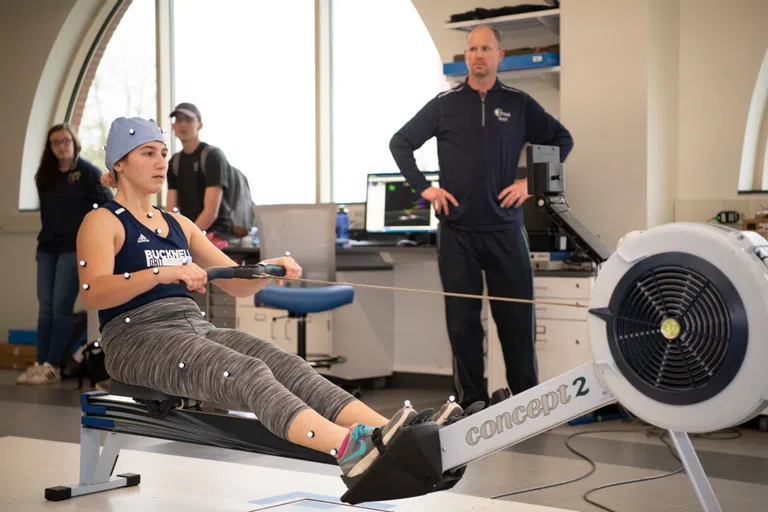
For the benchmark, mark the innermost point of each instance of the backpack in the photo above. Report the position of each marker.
(237, 195)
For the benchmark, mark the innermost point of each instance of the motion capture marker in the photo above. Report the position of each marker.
(203, 313)
(158, 231)
(182, 365)
(407, 403)
(156, 270)
(203, 233)
(334, 452)
(131, 131)
(163, 130)
(310, 434)
(82, 263)
(175, 209)
(96, 344)
(95, 205)
(287, 253)
(86, 286)
(127, 319)
(103, 148)
(184, 260)
(451, 398)
(127, 275)
(227, 374)
(150, 214)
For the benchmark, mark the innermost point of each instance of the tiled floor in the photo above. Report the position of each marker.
(736, 462)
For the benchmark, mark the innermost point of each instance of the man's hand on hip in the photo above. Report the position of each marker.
(439, 198)
(515, 194)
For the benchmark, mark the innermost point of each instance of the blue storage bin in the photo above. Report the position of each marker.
(517, 62)
(22, 336)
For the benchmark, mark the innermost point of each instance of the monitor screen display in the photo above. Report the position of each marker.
(393, 206)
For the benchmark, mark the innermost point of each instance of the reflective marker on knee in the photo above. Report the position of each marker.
(156, 270)
(182, 365)
(227, 374)
(127, 275)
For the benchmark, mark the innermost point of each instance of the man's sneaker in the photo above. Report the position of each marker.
(46, 375)
(449, 411)
(359, 450)
(24, 377)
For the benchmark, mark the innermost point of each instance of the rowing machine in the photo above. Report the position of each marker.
(675, 321)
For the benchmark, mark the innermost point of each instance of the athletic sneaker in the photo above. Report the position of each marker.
(24, 377)
(358, 451)
(46, 375)
(447, 412)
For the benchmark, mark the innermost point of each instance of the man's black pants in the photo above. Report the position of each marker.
(505, 258)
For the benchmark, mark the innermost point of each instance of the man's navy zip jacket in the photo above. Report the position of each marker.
(479, 143)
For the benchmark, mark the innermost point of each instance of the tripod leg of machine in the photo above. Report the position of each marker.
(95, 468)
(695, 471)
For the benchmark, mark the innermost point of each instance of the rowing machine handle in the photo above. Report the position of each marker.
(246, 271)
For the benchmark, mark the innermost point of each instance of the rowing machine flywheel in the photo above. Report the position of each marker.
(678, 324)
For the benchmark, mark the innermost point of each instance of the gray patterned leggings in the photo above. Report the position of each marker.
(219, 365)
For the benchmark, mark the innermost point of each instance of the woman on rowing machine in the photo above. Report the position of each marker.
(133, 257)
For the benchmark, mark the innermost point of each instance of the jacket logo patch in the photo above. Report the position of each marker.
(501, 115)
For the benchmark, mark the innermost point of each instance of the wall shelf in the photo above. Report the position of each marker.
(548, 19)
(549, 74)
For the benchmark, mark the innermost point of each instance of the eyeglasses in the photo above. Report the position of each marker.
(61, 142)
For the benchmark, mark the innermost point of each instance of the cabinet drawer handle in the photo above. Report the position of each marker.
(541, 329)
(577, 342)
(540, 287)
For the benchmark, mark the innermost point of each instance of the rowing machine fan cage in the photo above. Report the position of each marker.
(678, 324)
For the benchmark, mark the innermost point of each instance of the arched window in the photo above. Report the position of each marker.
(121, 78)
(384, 68)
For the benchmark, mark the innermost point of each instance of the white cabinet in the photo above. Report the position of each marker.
(561, 331)
(272, 325)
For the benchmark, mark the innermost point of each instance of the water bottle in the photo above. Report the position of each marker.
(342, 227)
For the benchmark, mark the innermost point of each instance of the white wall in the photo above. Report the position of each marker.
(722, 44)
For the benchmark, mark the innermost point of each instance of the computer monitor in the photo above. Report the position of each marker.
(393, 206)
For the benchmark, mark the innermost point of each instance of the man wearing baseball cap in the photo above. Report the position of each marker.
(199, 177)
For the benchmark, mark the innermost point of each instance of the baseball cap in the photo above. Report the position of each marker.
(188, 109)
(126, 134)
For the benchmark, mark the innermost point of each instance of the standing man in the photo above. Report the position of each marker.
(199, 177)
(481, 127)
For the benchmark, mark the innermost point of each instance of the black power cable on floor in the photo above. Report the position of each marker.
(651, 431)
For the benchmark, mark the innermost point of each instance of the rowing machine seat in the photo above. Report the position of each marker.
(157, 402)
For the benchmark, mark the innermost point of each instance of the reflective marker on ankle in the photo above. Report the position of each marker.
(310, 434)
(407, 403)
(451, 398)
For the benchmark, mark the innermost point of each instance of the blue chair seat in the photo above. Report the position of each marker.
(305, 300)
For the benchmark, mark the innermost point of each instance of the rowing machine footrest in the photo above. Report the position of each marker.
(58, 493)
(411, 465)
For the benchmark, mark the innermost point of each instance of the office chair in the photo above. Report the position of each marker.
(308, 233)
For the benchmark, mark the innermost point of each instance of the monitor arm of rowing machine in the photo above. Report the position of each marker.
(546, 185)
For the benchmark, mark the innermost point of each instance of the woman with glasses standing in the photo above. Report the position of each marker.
(68, 187)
